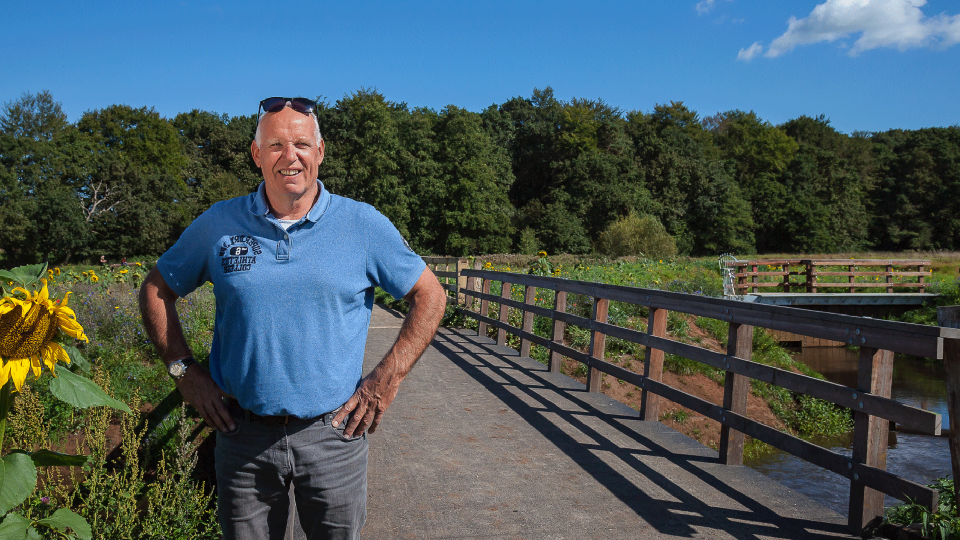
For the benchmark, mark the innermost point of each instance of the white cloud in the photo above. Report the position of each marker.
(881, 23)
(705, 6)
(751, 51)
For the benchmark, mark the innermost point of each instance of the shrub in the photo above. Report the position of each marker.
(637, 235)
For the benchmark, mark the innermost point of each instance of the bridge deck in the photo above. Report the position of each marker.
(483, 444)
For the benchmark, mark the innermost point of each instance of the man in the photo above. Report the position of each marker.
(293, 269)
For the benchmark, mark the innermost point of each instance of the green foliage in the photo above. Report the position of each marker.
(537, 172)
(637, 235)
(942, 524)
(528, 243)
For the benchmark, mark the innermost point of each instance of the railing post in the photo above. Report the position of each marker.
(851, 278)
(472, 286)
(736, 389)
(504, 313)
(529, 298)
(559, 327)
(786, 277)
(949, 316)
(754, 277)
(874, 375)
(653, 364)
(921, 281)
(889, 278)
(598, 343)
(462, 264)
(484, 308)
(811, 277)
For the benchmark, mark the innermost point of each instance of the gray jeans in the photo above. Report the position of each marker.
(257, 463)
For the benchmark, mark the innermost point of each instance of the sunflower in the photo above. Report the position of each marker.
(27, 329)
(542, 254)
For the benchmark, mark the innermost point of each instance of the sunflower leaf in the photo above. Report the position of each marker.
(76, 359)
(63, 518)
(18, 478)
(49, 458)
(16, 526)
(81, 392)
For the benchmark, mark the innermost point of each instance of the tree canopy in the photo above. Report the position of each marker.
(532, 172)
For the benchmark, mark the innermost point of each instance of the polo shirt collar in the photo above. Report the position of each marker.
(259, 206)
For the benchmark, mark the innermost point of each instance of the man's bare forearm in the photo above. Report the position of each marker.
(160, 319)
(427, 307)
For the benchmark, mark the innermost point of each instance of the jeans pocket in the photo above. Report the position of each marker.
(339, 430)
(237, 422)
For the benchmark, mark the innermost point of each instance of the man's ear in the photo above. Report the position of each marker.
(321, 152)
(255, 152)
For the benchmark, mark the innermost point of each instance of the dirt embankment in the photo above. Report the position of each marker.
(694, 425)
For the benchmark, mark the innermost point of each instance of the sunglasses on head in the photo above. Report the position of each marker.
(299, 104)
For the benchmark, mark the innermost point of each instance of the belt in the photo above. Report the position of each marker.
(270, 420)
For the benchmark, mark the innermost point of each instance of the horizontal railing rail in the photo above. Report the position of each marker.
(870, 401)
(770, 273)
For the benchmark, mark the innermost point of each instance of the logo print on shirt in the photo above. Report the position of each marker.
(238, 253)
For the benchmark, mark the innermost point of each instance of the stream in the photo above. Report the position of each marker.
(920, 458)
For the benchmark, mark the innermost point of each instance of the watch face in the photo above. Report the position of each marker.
(176, 369)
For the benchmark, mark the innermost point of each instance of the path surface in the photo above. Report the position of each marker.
(482, 444)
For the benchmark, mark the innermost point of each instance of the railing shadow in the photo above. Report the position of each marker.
(542, 399)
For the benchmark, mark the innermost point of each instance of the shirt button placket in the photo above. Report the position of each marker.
(283, 248)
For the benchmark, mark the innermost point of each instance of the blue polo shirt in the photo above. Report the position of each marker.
(293, 307)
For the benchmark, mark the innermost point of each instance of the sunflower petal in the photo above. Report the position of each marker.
(19, 368)
(35, 361)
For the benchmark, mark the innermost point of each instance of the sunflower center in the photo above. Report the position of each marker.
(22, 335)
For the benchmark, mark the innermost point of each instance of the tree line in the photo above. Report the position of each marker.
(529, 174)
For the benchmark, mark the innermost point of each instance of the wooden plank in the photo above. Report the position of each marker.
(559, 328)
(443, 274)
(866, 262)
(440, 260)
(462, 264)
(949, 316)
(874, 375)
(484, 307)
(653, 364)
(504, 313)
(598, 342)
(736, 389)
(918, 340)
(529, 298)
(951, 365)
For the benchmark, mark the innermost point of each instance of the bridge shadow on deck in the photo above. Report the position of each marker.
(514, 451)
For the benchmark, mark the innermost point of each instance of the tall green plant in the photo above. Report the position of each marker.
(29, 324)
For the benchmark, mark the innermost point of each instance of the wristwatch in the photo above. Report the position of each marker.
(178, 368)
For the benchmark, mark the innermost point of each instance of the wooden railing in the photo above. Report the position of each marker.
(751, 276)
(448, 272)
(870, 401)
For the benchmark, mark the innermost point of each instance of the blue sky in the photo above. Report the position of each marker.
(868, 65)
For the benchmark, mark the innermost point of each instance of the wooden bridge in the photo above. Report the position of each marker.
(524, 387)
(864, 287)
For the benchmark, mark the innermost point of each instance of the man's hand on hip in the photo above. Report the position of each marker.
(206, 397)
(367, 405)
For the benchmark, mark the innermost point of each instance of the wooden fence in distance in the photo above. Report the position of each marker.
(779, 273)
(870, 401)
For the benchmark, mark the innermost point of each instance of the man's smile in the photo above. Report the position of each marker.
(289, 172)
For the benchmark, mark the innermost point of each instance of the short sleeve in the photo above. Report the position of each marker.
(391, 262)
(184, 266)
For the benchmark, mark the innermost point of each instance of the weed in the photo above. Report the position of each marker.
(679, 416)
(943, 524)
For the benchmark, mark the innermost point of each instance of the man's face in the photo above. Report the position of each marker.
(289, 153)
